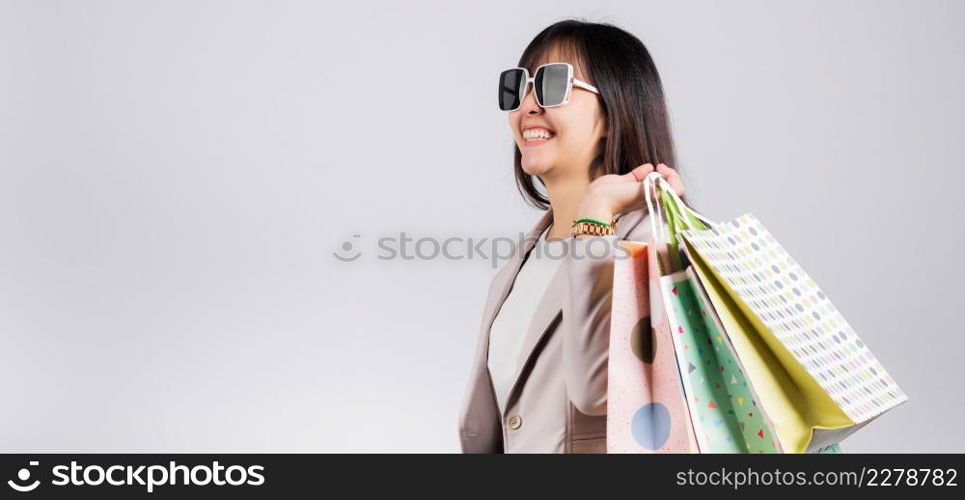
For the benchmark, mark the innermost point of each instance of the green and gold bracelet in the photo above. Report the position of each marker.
(591, 221)
(593, 227)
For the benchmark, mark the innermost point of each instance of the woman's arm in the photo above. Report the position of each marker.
(586, 321)
(589, 288)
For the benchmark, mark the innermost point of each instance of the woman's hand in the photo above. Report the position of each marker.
(612, 194)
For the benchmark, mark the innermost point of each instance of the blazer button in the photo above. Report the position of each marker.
(515, 421)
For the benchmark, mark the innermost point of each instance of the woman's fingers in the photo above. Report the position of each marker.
(635, 175)
(639, 173)
(673, 178)
(625, 192)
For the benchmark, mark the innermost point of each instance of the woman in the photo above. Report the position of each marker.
(592, 129)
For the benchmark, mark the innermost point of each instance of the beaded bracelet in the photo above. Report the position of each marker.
(591, 221)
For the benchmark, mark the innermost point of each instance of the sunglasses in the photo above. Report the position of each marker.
(553, 83)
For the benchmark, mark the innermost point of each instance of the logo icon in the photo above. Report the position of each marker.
(24, 475)
(347, 246)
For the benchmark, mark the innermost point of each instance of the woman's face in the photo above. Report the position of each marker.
(575, 130)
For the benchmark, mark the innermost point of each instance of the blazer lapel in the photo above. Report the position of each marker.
(550, 309)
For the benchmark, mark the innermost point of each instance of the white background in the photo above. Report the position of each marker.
(175, 177)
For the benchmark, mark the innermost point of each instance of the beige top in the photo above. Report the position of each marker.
(514, 317)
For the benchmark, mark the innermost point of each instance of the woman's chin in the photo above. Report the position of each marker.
(534, 166)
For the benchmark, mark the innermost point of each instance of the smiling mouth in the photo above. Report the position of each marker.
(536, 137)
(536, 142)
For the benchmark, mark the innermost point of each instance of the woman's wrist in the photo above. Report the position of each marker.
(592, 208)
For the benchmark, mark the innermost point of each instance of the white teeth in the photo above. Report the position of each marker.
(536, 133)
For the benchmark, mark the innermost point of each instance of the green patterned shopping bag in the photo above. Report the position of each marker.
(723, 406)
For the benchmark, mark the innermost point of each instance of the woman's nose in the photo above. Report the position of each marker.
(529, 104)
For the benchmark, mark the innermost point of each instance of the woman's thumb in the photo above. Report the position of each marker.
(641, 172)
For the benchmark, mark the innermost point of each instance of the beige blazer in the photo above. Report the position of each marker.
(558, 401)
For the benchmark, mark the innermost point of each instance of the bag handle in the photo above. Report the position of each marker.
(673, 213)
(656, 229)
(663, 213)
(659, 184)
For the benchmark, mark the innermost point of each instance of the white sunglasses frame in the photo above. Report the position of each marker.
(571, 82)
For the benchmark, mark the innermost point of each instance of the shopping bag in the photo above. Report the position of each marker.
(722, 404)
(646, 408)
(816, 380)
(755, 428)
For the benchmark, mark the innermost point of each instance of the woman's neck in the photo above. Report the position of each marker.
(565, 195)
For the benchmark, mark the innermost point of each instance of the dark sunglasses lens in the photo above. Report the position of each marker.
(551, 82)
(510, 82)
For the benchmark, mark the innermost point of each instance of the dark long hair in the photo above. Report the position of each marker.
(619, 65)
